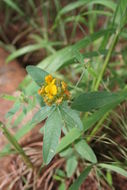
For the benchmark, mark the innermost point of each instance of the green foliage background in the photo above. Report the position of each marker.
(84, 43)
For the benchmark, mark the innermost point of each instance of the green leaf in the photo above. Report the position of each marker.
(96, 116)
(75, 134)
(27, 128)
(80, 179)
(41, 114)
(40, 100)
(67, 153)
(52, 132)
(71, 166)
(107, 3)
(109, 178)
(85, 151)
(69, 138)
(120, 14)
(114, 169)
(71, 117)
(93, 100)
(9, 97)
(27, 49)
(22, 51)
(77, 4)
(37, 74)
(13, 110)
(67, 55)
(31, 89)
(62, 186)
(14, 6)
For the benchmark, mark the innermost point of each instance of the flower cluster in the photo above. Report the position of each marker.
(54, 91)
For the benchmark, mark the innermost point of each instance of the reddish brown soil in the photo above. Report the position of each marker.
(10, 76)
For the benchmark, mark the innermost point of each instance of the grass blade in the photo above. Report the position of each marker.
(80, 179)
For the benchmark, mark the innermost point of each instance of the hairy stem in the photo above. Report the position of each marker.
(16, 145)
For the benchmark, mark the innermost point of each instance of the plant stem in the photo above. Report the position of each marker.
(97, 127)
(16, 145)
(114, 41)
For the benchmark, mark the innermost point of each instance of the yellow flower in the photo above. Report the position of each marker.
(51, 89)
(54, 91)
(48, 79)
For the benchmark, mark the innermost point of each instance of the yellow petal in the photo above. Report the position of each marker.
(53, 81)
(48, 79)
(54, 90)
(47, 88)
(50, 96)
